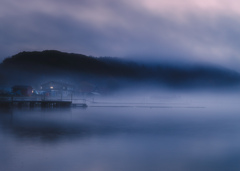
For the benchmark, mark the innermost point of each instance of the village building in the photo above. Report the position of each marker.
(5, 91)
(54, 88)
(22, 90)
(87, 88)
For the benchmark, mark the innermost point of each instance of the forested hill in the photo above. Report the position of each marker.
(27, 67)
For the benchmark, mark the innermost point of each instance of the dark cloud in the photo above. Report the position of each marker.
(113, 28)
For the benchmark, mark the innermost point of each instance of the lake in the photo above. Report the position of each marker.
(110, 137)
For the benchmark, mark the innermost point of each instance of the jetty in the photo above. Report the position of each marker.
(38, 102)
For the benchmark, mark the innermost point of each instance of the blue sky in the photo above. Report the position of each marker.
(152, 30)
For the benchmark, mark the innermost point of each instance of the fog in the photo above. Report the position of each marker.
(156, 30)
(145, 128)
(152, 94)
(137, 116)
(128, 111)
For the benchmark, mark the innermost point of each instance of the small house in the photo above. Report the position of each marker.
(22, 90)
(54, 88)
(4, 91)
(86, 88)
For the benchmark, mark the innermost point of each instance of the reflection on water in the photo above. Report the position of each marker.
(127, 138)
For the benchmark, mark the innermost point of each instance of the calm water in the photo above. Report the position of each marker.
(168, 138)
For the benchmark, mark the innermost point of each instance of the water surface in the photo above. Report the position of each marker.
(127, 138)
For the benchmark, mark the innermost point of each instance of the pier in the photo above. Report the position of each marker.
(37, 102)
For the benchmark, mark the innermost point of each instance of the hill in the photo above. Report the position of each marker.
(37, 67)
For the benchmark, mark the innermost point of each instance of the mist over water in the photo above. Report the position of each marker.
(169, 101)
(176, 131)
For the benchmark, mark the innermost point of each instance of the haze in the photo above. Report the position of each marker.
(174, 30)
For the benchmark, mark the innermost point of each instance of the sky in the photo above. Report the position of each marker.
(152, 30)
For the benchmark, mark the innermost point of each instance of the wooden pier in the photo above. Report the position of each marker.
(43, 104)
(34, 102)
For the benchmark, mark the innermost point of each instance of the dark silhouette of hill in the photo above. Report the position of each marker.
(36, 67)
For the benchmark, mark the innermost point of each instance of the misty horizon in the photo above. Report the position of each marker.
(112, 74)
(109, 85)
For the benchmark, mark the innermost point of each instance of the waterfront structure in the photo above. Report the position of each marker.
(22, 90)
(5, 91)
(54, 88)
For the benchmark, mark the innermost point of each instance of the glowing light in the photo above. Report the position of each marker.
(51, 87)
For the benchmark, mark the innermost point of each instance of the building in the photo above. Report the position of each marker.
(86, 88)
(22, 90)
(5, 91)
(54, 88)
